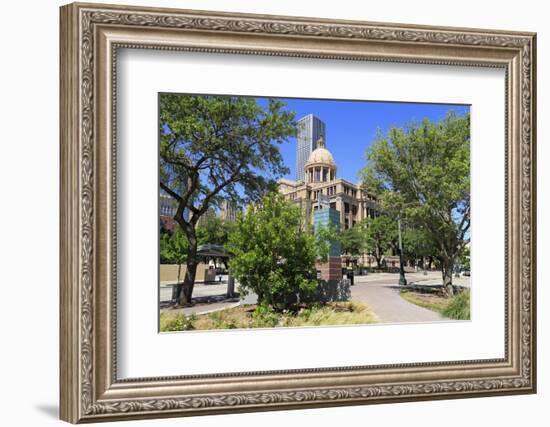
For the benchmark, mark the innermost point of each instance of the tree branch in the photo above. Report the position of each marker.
(170, 192)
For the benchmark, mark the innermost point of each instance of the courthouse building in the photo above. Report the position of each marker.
(325, 198)
(321, 187)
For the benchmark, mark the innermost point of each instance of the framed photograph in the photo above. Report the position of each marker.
(267, 212)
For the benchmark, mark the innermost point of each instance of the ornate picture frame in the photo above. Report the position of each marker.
(90, 37)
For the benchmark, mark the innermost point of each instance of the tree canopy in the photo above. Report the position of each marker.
(418, 244)
(421, 173)
(273, 252)
(221, 147)
(214, 148)
(213, 230)
(380, 236)
(173, 249)
(353, 240)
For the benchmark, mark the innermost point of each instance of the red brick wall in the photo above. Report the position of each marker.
(332, 269)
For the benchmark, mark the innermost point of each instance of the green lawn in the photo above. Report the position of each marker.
(457, 307)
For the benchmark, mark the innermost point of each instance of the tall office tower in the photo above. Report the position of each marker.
(310, 129)
(228, 211)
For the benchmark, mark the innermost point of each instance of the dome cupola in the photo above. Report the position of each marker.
(320, 166)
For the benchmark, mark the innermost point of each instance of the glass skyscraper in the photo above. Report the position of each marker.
(310, 129)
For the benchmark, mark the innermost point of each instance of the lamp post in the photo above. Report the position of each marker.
(402, 280)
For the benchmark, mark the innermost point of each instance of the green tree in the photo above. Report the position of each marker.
(273, 252)
(422, 173)
(353, 240)
(418, 245)
(214, 148)
(464, 258)
(325, 236)
(173, 249)
(380, 236)
(213, 230)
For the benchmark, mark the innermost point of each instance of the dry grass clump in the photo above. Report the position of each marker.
(257, 316)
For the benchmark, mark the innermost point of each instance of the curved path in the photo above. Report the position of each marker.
(381, 293)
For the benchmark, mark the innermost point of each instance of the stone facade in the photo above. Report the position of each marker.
(353, 202)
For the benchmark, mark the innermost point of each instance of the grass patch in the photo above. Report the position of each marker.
(457, 307)
(253, 316)
(172, 323)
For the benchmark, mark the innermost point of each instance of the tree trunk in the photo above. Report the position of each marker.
(230, 285)
(186, 294)
(378, 257)
(176, 291)
(447, 266)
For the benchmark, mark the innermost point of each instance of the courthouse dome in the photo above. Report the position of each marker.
(320, 156)
(320, 166)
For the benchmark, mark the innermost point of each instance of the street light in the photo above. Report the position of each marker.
(402, 280)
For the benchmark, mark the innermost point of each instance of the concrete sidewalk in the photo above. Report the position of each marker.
(207, 297)
(381, 293)
(200, 289)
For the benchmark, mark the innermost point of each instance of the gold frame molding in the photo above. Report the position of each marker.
(90, 36)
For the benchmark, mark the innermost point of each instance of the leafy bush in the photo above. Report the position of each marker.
(459, 307)
(179, 323)
(273, 253)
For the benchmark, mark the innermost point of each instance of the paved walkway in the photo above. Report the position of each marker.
(203, 308)
(379, 290)
(381, 293)
(201, 289)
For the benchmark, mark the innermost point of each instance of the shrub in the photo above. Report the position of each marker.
(459, 307)
(273, 253)
(179, 323)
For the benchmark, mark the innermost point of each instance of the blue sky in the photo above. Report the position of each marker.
(351, 127)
